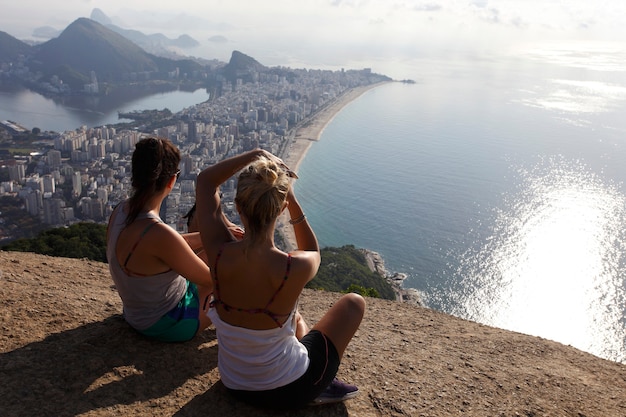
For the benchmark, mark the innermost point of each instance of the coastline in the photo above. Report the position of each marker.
(376, 264)
(302, 139)
(312, 129)
(294, 154)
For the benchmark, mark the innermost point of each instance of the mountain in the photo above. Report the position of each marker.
(184, 41)
(242, 66)
(218, 39)
(11, 48)
(156, 43)
(100, 17)
(86, 45)
(46, 32)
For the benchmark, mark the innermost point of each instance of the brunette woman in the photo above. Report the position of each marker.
(163, 285)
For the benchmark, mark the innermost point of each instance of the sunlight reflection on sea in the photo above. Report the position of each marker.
(497, 186)
(553, 266)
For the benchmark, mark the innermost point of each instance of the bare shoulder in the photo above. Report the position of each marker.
(163, 235)
(305, 263)
(152, 237)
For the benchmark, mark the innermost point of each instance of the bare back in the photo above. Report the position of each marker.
(257, 280)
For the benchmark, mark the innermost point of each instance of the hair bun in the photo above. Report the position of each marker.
(267, 171)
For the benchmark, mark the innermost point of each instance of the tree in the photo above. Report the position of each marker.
(359, 289)
(82, 240)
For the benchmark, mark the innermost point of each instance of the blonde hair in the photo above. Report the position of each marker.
(262, 188)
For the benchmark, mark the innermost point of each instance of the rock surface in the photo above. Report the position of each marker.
(66, 351)
(376, 264)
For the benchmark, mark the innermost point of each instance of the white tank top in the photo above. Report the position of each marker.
(259, 360)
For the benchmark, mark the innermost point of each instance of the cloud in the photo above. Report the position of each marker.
(479, 3)
(427, 7)
(492, 15)
(518, 22)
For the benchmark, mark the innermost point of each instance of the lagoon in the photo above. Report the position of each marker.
(31, 109)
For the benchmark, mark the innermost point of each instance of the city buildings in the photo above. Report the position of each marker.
(87, 171)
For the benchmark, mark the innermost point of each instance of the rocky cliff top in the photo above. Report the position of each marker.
(65, 351)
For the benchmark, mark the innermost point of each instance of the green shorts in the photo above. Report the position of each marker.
(180, 323)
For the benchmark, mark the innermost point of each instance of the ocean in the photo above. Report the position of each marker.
(496, 185)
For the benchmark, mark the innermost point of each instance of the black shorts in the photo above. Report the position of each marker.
(323, 366)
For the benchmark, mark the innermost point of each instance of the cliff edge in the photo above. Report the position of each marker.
(66, 351)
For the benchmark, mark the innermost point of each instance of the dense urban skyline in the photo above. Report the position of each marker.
(84, 173)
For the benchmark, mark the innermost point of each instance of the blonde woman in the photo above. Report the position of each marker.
(267, 355)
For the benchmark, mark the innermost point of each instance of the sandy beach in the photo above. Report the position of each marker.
(312, 129)
(305, 135)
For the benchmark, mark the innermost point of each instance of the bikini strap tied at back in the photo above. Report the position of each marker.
(217, 299)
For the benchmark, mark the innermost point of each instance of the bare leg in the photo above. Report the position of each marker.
(204, 294)
(342, 320)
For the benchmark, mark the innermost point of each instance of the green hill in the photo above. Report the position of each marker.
(81, 240)
(11, 48)
(86, 46)
(346, 268)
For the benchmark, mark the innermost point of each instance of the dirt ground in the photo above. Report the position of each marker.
(66, 351)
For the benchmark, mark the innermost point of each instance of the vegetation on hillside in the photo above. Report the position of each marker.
(345, 268)
(342, 270)
(81, 240)
(11, 47)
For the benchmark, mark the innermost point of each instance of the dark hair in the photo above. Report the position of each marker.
(261, 192)
(190, 214)
(155, 160)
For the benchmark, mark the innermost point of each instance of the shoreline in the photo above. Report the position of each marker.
(376, 264)
(304, 136)
(295, 152)
(313, 128)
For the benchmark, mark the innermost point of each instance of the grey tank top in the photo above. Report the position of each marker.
(145, 299)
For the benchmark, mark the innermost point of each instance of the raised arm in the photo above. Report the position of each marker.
(305, 237)
(308, 249)
(213, 225)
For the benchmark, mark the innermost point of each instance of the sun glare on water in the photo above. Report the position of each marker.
(554, 265)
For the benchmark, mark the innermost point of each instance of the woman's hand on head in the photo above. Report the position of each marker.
(291, 195)
(279, 162)
(237, 232)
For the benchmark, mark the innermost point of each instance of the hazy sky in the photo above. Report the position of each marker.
(341, 33)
